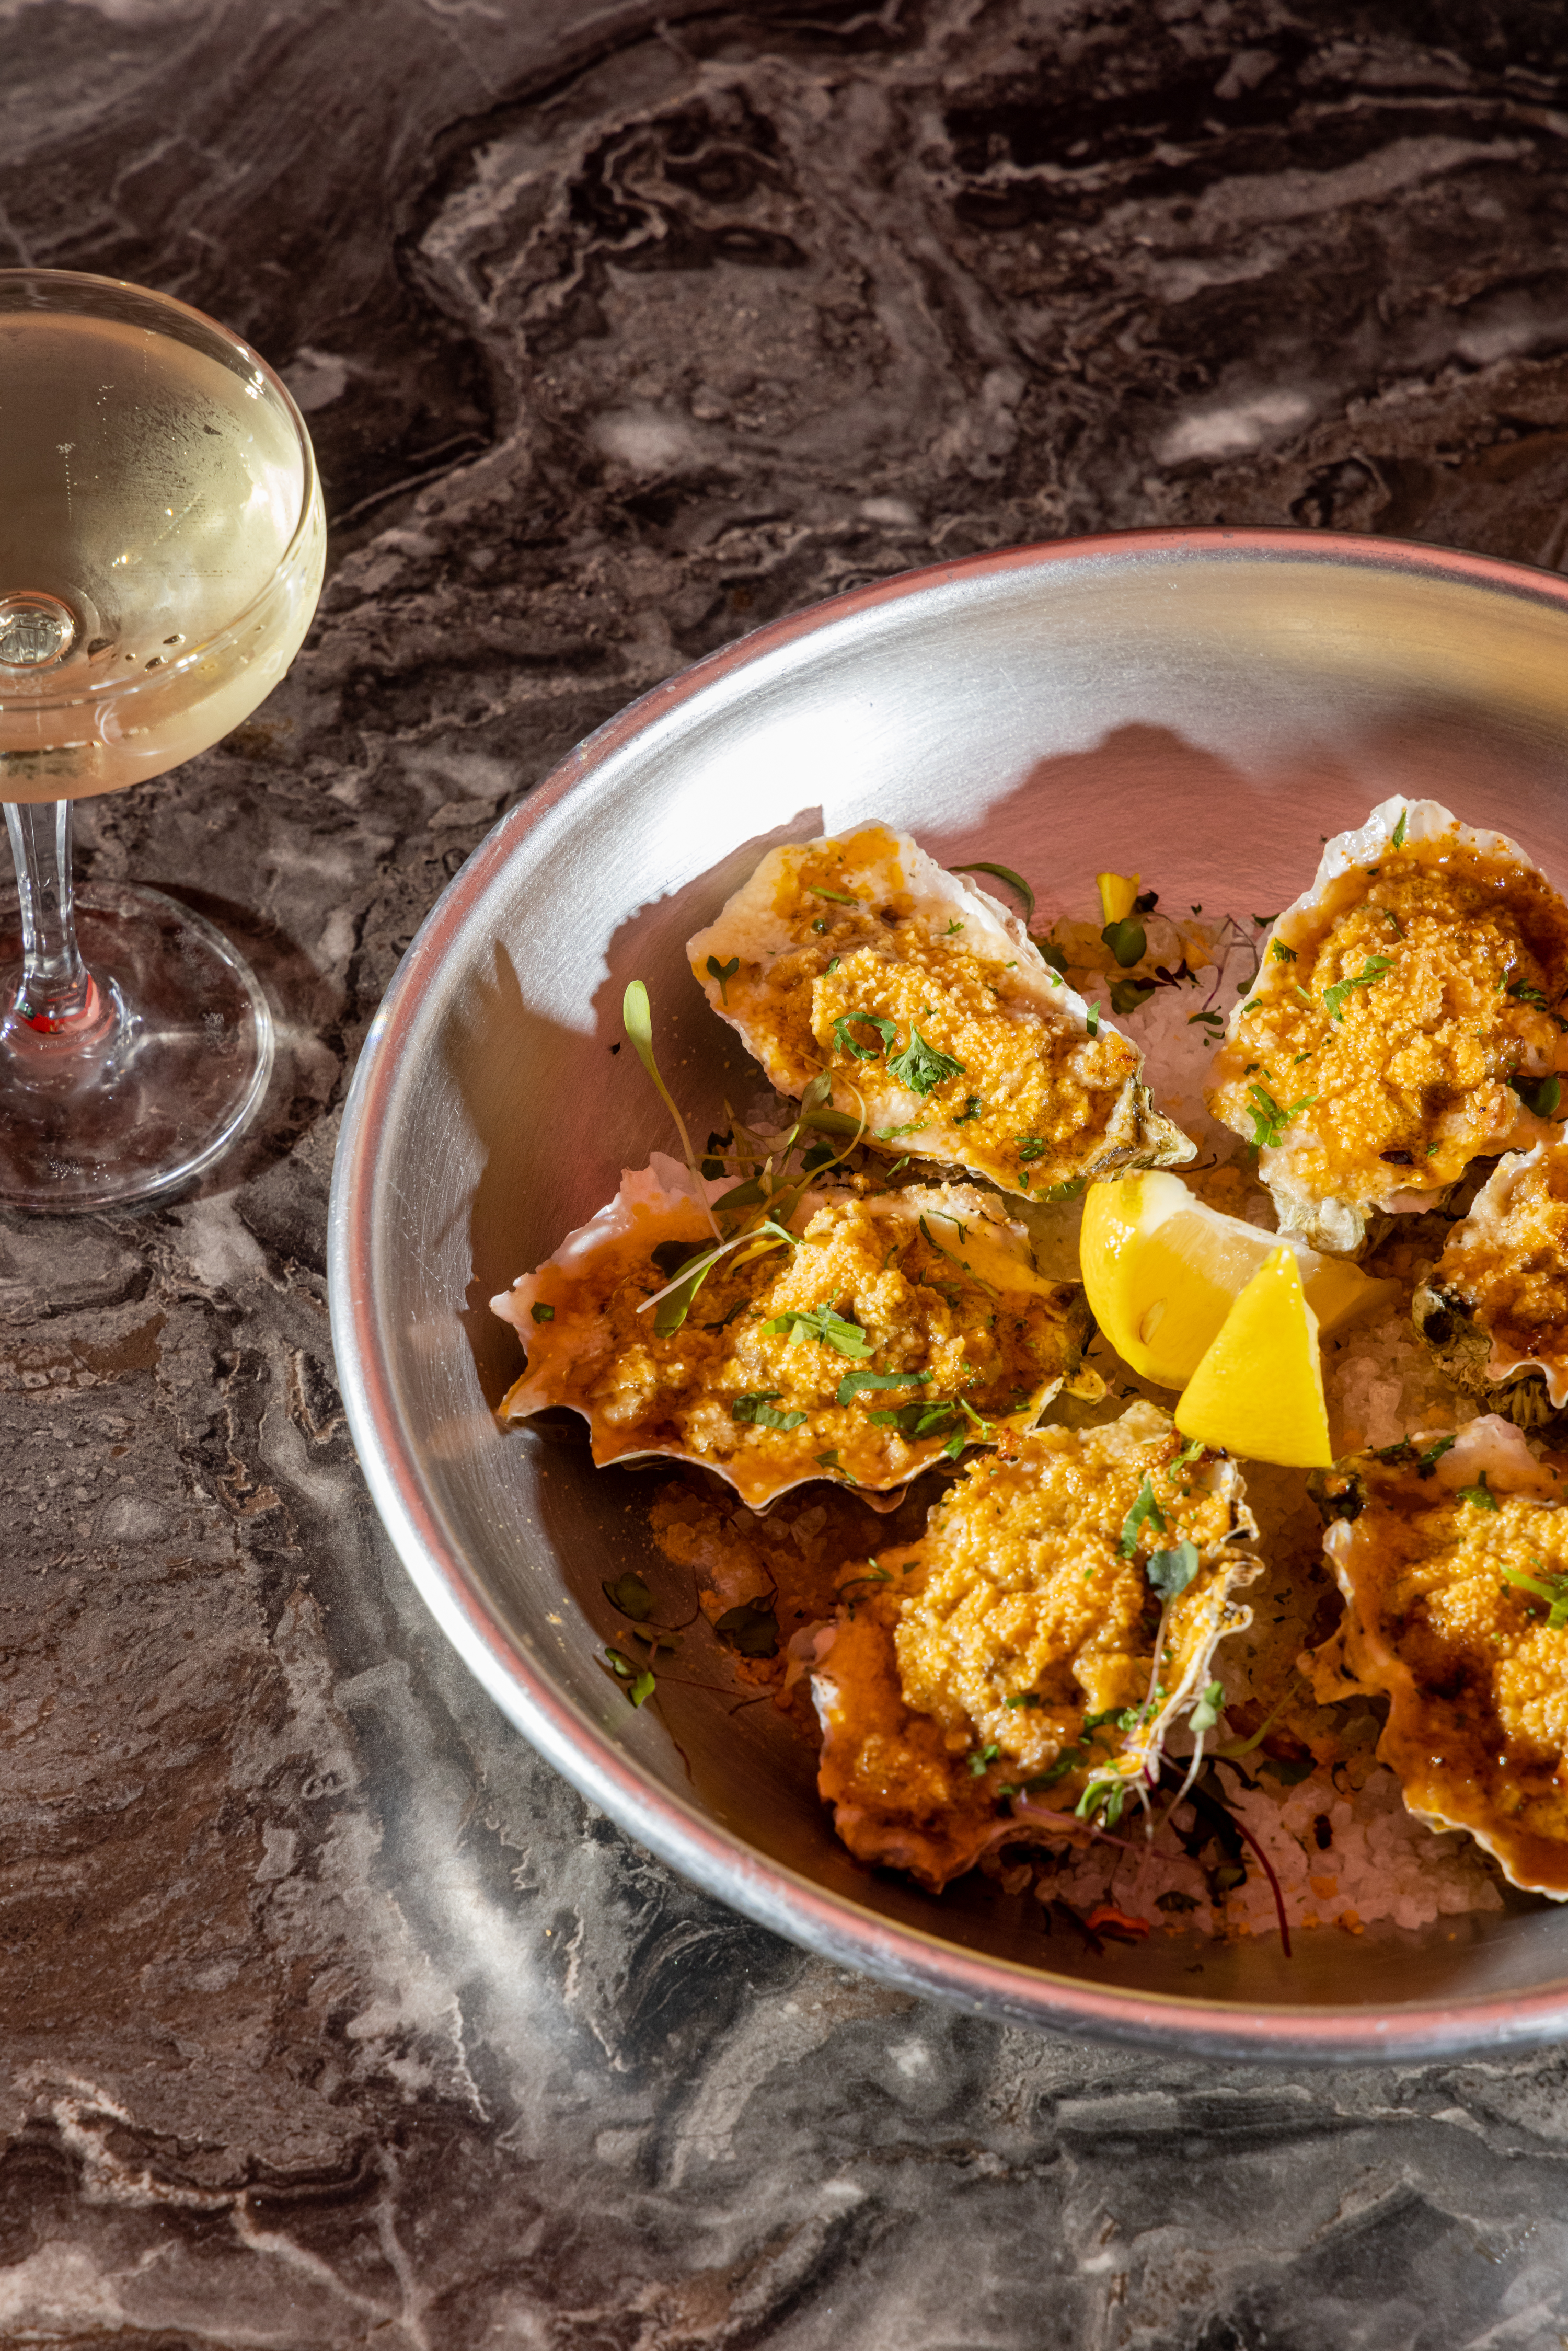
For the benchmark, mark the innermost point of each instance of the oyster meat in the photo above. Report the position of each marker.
(924, 1000)
(897, 1328)
(1401, 1025)
(1016, 1673)
(1495, 1306)
(1452, 1555)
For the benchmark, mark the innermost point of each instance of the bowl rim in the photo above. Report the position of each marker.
(719, 1860)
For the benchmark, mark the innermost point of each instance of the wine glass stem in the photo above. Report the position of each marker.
(56, 991)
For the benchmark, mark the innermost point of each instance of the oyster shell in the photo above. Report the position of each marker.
(1402, 1005)
(1495, 1306)
(1452, 1555)
(907, 1324)
(923, 999)
(984, 1682)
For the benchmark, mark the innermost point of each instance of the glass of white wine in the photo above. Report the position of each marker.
(162, 543)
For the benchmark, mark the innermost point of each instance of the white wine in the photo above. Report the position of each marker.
(160, 544)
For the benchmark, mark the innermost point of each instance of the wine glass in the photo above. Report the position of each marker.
(162, 543)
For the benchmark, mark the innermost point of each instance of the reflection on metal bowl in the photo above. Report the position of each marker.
(1200, 706)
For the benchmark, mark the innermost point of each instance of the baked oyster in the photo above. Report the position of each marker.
(1451, 1551)
(1404, 1020)
(875, 1332)
(922, 998)
(1016, 1672)
(1495, 1306)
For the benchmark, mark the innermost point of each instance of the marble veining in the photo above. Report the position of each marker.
(330, 2014)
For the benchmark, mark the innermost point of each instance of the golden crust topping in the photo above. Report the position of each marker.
(1023, 1648)
(1393, 1006)
(1458, 1610)
(904, 1324)
(922, 998)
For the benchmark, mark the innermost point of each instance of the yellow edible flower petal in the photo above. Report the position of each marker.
(1117, 891)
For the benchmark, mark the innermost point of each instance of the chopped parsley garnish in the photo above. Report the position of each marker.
(1526, 994)
(951, 928)
(921, 1066)
(1032, 1147)
(758, 1408)
(1092, 1020)
(844, 1044)
(1269, 1120)
(828, 1329)
(724, 973)
(1552, 1589)
(1282, 953)
(541, 1312)
(1254, 1001)
(1144, 1508)
(1398, 838)
(971, 1109)
(1372, 969)
(853, 1384)
(1024, 1697)
(1479, 1494)
(1170, 1571)
(829, 969)
(840, 897)
(988, 1754)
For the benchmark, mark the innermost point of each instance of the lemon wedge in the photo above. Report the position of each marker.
(1162, 1271)
(1258, 1390)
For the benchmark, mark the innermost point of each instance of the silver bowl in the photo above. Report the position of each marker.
(1197, 707)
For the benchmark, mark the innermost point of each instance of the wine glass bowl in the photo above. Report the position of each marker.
(161, 546)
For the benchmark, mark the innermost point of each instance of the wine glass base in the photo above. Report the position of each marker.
(171, 1078)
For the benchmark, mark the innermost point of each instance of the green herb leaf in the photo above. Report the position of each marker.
(1014, 882)
(1170, 1571)
(638, 1020)
(971, 1109)
(840, 897)
(1269, 1122)
(1525, 994)
(636, 1682)
(1398, 834)
(1539, 1094)
(828, 1329)
(1372, 969)
(844, 1044)
(724, 973)
(988, 1754)
(1208, 1710)
(1054, 1194)
(541, 1312)
(1282, 953)
(1092, 1020)
(1144, 1508)
(1127, 941)
(854, 1383)
(1024, 1697)
(1032, 1147)
(1479, 1494)
(758, 1408)
(921, 1067)
(751, 1630)
(1127, 994)
(632, 1596)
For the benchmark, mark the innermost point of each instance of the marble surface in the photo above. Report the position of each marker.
(328, 2014)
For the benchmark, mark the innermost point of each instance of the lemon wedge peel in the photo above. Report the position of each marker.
(1258, 1390)
(1163, 1269)
(1117, 892)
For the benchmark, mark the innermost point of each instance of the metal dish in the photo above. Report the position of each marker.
(1201, 706)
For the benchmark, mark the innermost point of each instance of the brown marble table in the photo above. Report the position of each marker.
(329, 2015)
